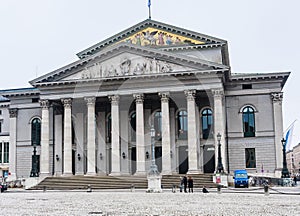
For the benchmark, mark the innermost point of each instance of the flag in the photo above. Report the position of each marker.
(149, 3)
(288, 137)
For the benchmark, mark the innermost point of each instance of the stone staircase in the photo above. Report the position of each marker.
(119, 182)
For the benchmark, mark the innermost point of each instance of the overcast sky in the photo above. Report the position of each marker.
(39, 36)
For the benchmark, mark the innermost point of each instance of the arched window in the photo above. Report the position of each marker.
(248, 122)
(157, 125)
(108, 129)
(182, 125)
(207, 122)
(36, 132)
(133, 126)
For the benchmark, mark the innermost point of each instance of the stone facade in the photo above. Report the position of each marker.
(93, 117)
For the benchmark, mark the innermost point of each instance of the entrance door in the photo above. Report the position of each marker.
(183, 160)
(158, 159)
(209, 159)
(133, 160)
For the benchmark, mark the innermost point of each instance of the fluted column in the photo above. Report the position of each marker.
(115, 139)
(67, 136)
(45, 163)
(278, 127)
(192, 130)
(91, 136)
(140, 135)
(13, 114)
(166, 135)
(219, 126)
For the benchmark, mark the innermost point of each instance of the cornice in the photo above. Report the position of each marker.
(20, 92)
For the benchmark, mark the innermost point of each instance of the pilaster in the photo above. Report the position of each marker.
(278, 126)
(13, 114)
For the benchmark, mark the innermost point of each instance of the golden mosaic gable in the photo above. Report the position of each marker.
(156, 37)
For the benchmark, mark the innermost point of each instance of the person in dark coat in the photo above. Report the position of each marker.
(190, 184)
(185, 183)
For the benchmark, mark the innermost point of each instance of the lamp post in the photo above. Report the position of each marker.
(154, 178)
(153, 168)
(285, 172)
(220, 165)
(34, 168)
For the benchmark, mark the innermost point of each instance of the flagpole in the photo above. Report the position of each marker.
(290, 126)
(149, 6)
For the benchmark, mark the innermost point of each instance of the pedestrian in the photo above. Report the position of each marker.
(181, 184)
(204, 190)
(295, 180)
(185, 184)
(190, 184)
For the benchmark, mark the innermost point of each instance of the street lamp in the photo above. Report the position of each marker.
(153, 168)
(34, 167)
(220, 165)
(285, 172)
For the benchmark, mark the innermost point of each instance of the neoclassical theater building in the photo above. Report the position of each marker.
(94, 116)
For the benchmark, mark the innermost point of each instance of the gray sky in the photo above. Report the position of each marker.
(40, 36)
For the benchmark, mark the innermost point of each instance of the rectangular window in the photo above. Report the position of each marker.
(250, 158)
(247, 86)
(6, 153)
(35, 100)
(0, 127)
(0, 112)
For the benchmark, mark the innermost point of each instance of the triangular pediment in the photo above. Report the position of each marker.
(125, 60)
(155, 35)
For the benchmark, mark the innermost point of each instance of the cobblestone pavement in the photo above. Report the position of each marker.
(137, 203)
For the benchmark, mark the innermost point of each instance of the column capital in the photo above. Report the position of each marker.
(44, 104)
(13, 113)
(277, 96)
(190, 94)
(114, 99)
(164, 96)
(218, 92)
(139, 98)
(67, 102)
(90, 101)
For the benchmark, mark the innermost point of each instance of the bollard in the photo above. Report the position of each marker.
(266, 189)
(132, 188)
(219, 189)
(44, 189)
(89, 189)
(174, 188)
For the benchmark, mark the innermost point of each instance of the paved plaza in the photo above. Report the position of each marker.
(124, 202)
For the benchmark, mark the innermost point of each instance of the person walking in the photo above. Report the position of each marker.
(191, 184)
(185, 182)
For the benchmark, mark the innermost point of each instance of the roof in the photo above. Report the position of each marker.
(19, 92)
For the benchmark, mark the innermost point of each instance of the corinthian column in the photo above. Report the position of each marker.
(13, 114)
(115, 132)
(91, 136)
(192, 132)
(45, 163)
(278, 127)
(140, 135)
(166, 135)
(67, 136)
(219, 125)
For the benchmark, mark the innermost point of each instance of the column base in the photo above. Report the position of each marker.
(166, 172)
(43, 175)
(67, 174)
(115, 174)
(90, 174)
(140, 173)
(194, 172)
